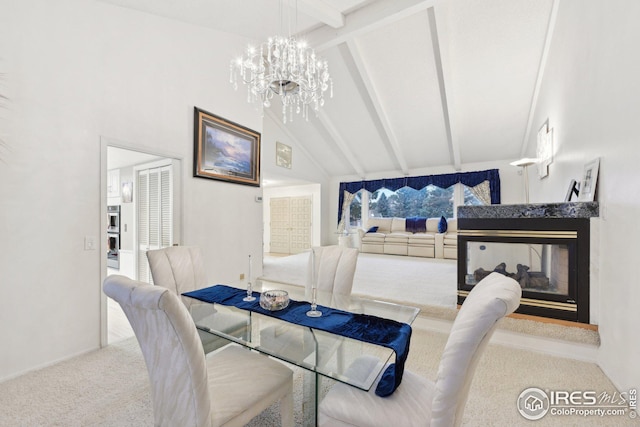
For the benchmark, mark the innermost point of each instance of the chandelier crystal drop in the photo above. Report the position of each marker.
(286, 67)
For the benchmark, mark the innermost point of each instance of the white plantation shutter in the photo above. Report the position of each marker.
(154, 209)
(142, 200)
(154, 219)
(166, 203)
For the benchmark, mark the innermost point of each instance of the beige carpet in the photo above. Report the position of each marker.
(420, 280)
(109, 387)
(427, 283)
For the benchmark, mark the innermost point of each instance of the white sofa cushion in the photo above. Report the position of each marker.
(372, 237)
(422, 238)
(383, 224)
(398, 225)
(451, 239)
(432, 225)
(397, 238)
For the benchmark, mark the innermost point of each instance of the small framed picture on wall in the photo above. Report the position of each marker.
(283, 155)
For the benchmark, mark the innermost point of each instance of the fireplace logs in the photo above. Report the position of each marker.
(526, 278)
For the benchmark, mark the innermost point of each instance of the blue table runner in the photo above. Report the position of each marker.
(363, 327)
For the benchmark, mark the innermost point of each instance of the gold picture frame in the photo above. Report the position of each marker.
(224, 150)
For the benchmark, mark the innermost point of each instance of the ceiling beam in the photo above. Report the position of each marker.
(541, 67)
(340, 142)
(454, 147)
(323, 12)
(380, 112)
(368, 18)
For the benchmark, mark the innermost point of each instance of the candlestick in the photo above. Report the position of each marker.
(249, 296)
(314, 312)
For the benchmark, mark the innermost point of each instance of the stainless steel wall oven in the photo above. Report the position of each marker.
(113, 236)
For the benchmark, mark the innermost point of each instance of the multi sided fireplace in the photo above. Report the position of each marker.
(545, 248)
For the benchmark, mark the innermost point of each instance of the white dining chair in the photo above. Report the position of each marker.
(181, 269)
(335, 268)
(417, 400)
(226, 388)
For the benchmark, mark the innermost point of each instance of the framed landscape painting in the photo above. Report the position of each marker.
(224, 150)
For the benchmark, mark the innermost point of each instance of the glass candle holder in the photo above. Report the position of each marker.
(249, 296)
(314, 312)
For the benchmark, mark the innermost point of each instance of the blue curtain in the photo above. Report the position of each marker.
(470, 179)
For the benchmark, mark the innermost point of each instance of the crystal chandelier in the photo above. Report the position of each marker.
(286, 67)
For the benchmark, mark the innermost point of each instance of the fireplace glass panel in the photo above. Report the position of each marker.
(537, 267)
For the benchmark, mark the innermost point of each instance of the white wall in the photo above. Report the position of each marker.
(304, 171)
(590, 94)
(76, 71)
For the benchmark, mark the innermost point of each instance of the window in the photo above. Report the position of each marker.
(432, 200)
(469, 198)
(355, 210)
(429, 202)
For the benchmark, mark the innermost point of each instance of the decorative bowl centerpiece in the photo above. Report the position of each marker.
(274, 300)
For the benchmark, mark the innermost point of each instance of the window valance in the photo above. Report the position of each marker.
(470, 179)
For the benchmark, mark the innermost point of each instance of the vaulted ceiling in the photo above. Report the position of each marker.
(417, 83)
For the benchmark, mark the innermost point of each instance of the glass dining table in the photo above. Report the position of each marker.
(323, 356)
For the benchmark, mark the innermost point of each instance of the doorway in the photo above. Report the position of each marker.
(290, 224)
(160, 188)
(275, 189)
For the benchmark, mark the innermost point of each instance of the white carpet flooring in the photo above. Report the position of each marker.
(420, 281)
(427, 283)
(110, 387)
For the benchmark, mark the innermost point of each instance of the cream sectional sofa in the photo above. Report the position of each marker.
(392, 238)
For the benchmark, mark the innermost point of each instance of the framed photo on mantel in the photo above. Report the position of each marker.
(224, 150)
(589, 181)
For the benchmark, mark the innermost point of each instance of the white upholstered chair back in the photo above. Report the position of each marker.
(179, 268)
(172, 351)
(491, 299)
(335, 267)
(419, 401)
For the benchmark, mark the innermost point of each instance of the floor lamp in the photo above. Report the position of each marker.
(524, 163)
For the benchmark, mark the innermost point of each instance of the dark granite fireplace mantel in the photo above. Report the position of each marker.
(562, 228)
(541, 210)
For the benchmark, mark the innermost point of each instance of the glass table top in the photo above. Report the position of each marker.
(322, 352)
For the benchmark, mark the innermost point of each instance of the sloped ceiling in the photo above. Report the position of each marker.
(417, 84)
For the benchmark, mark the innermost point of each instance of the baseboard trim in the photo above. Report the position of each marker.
(554, 321)
(545, 345)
